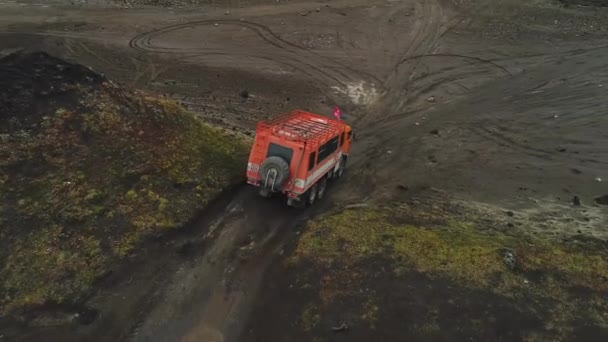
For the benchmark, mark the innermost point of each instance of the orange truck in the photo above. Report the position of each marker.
(297, 154)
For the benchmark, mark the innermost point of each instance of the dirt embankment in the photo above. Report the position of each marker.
(88, 170)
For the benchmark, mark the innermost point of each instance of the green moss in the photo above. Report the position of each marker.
(430, 328)
(310, 317)
(457, 248)
(45, 266)
(369, 312)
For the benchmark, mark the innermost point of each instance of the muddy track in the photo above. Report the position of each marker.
(322, 69)
(471, 58)
(517, 141)
(402, 89)
(221, 284)
(433, 24)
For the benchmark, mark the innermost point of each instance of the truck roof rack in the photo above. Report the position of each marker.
(302, 126)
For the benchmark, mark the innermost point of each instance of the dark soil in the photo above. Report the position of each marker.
(495, 103)
(603, 200)
(599, 3)
(414, 307)
(37, 84)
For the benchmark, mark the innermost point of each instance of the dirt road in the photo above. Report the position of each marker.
(494, 102)
(207, 299)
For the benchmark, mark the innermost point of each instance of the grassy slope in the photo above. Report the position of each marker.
(393, 260)
(87, 173)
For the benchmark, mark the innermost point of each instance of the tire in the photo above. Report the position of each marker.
(264, 192)
(296, 204)
(340, 171)
(322, 188)
(278, 165)
(312, 195)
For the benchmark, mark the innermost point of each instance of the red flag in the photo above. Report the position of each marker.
(337, 113)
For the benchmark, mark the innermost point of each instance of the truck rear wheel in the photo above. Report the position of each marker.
(264, 192)
(322, 188)
(312, 194)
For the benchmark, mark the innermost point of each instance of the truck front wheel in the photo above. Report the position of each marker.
(340, 171)
(322, 188)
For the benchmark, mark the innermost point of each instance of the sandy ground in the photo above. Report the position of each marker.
(500, 103)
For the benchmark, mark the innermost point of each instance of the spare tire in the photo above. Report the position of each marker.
(272, 165)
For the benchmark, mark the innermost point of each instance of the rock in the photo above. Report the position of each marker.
(244, 94)
(598, 179)
(510, 213)
(434, 132)
(342, 327)
(509, 258)
(602, 200)
(74, 317)
(403, 187)
(561, 149)
(576, 171)
(431, 99)
(576, 201)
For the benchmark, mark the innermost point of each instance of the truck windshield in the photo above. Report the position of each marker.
(275, 150)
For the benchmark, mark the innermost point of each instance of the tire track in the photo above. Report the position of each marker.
(447, 55)
(430, 27)
(329, 72)
(510, 143)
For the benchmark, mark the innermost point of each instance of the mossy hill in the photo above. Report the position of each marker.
(88, 170)
(440, 272)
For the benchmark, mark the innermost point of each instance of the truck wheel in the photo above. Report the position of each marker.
(312, 194)
(322, 188)
(340, 171)
(264, 192)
